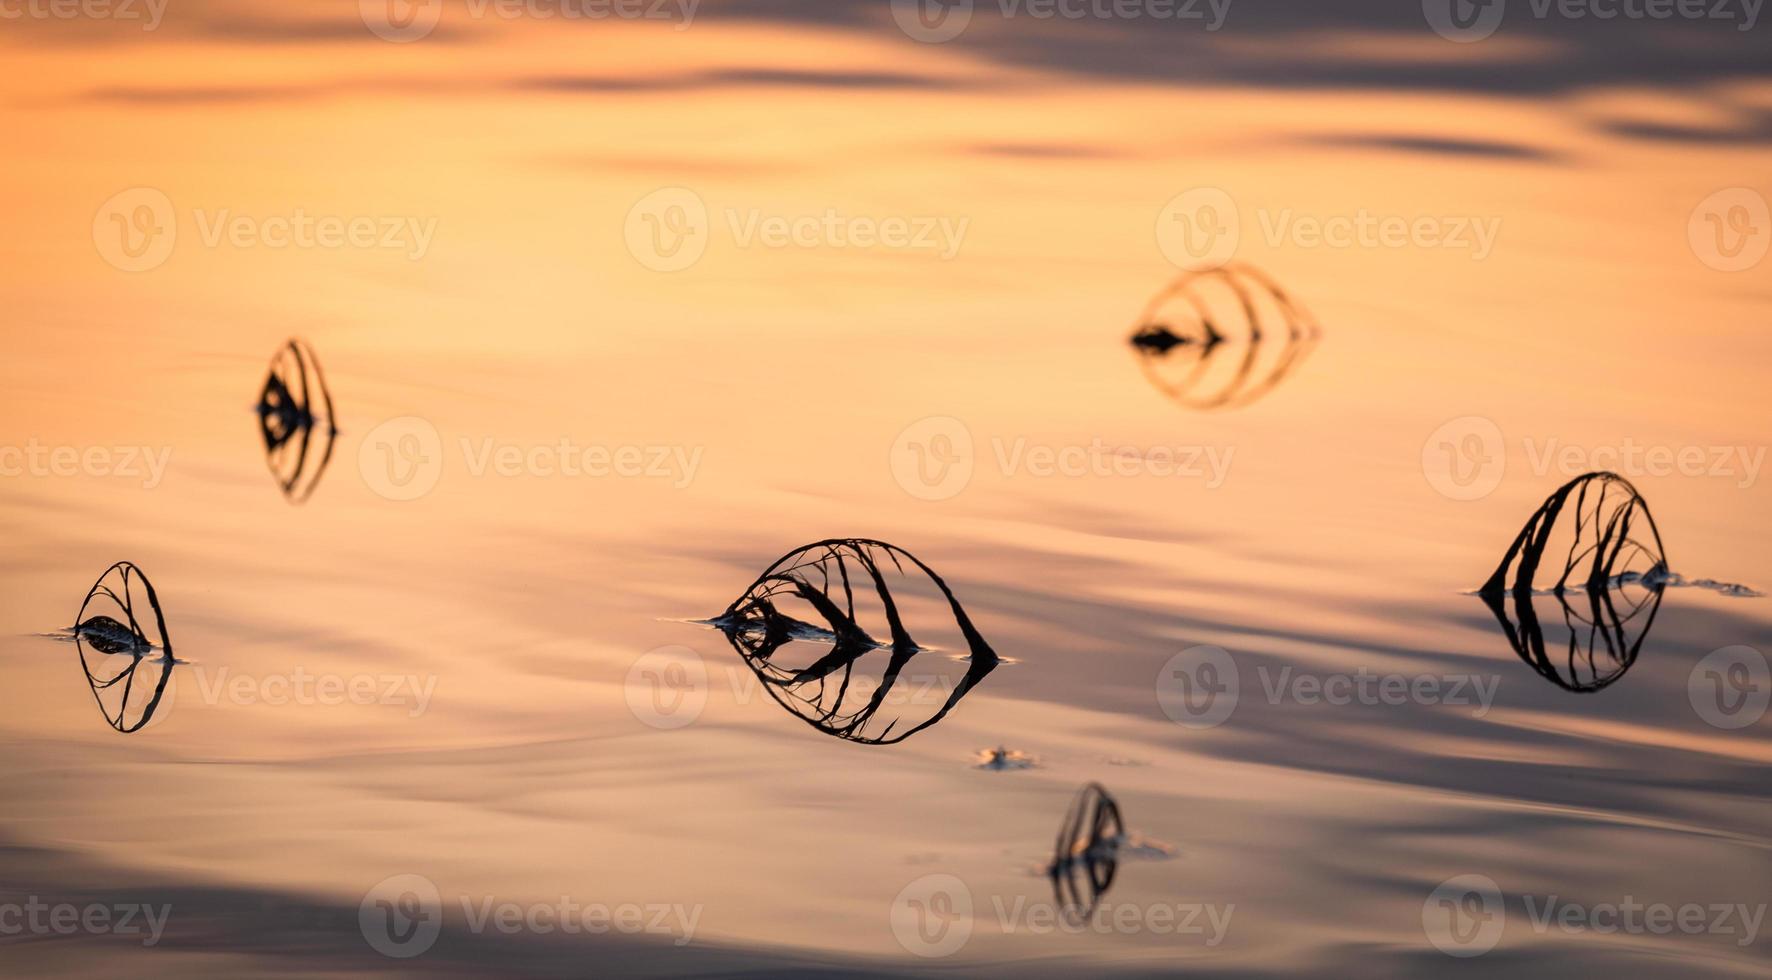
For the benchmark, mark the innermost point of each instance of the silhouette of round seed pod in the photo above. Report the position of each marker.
(828, 630)
(295, 420)
(1222, 338)
(124, 648)
(1593, 549)
(1085, 858)
(1596, 531)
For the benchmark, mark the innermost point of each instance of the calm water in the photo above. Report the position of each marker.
(497, 686)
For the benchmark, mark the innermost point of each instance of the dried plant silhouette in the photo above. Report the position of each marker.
(825, 629)
(295, 418)
(1086, 857)
(115, 647)
(1610, 571)
(1600, 540)
(1222, 338)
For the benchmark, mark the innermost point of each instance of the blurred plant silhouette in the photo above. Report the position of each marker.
(1222, 338)
(1086, 857)
(295, 420)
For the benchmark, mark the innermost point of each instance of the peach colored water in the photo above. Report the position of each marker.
(509, 752)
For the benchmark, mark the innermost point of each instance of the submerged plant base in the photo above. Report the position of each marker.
(1001, 759)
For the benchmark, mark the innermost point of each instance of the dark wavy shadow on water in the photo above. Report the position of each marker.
(295, 421)
(808, 627)
(1527, 54)
(230, 930)
(116, 646)
(1222, 338)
